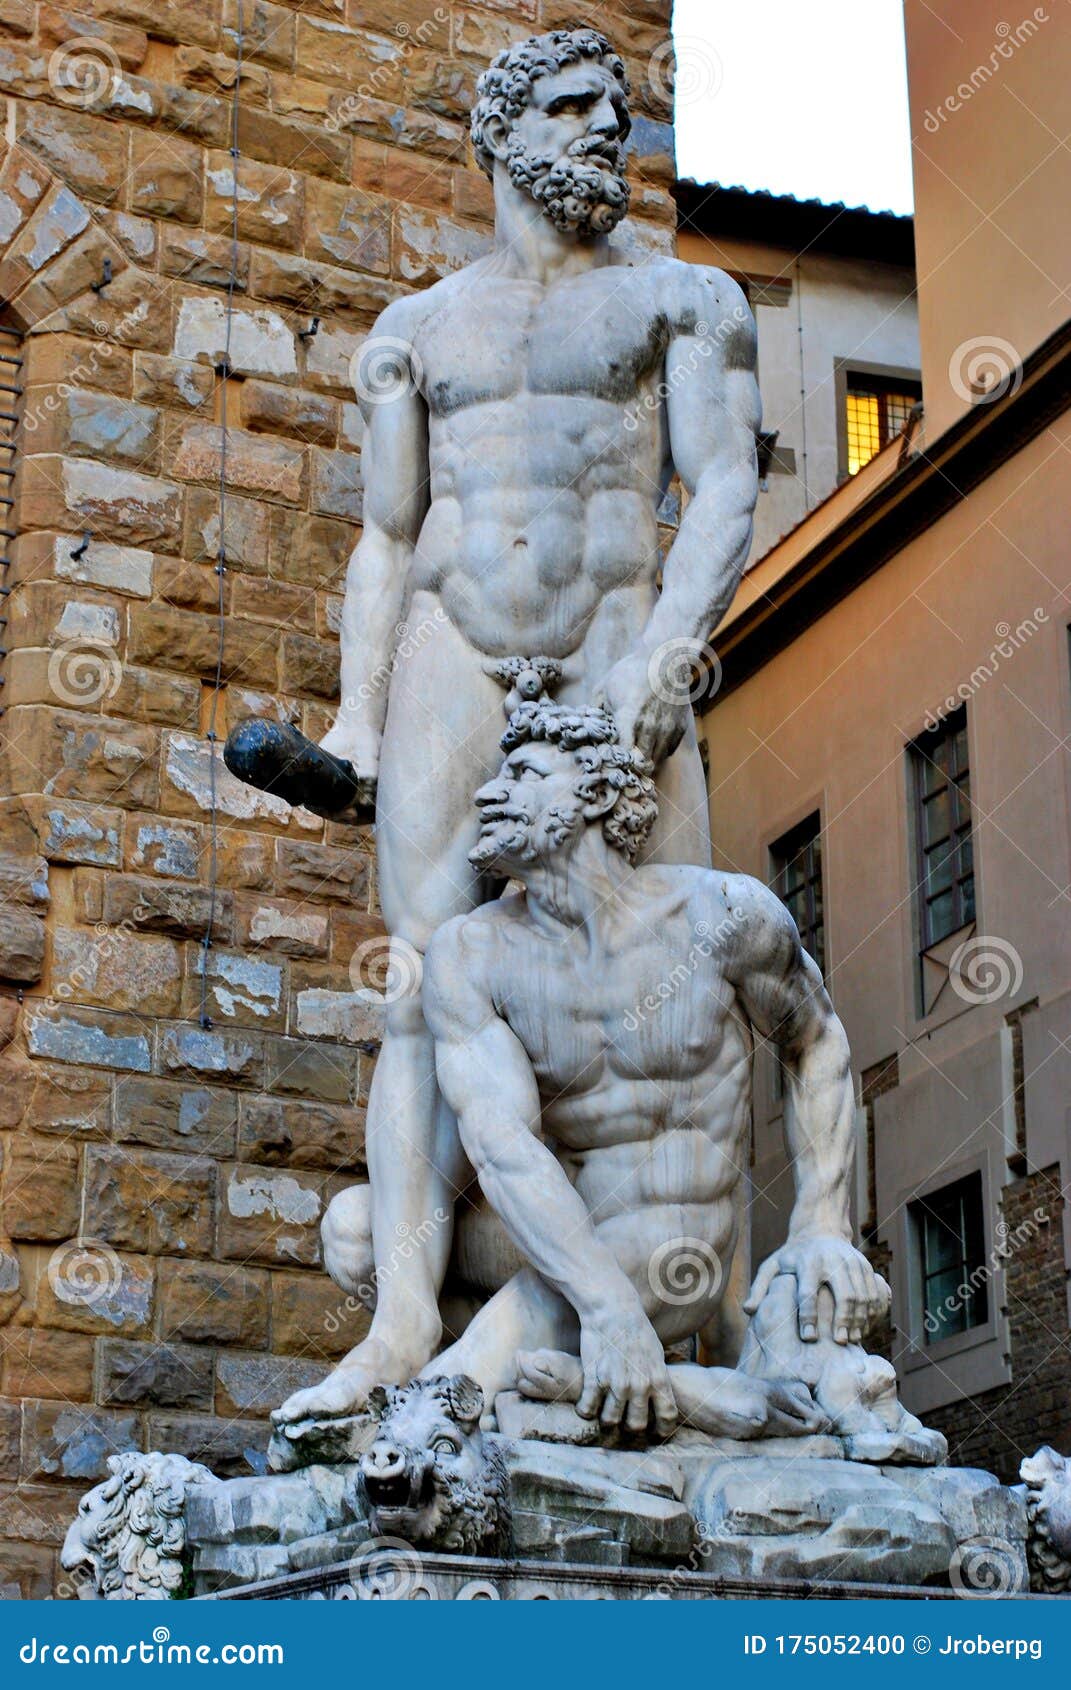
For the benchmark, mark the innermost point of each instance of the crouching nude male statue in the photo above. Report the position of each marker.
(524, 417)
(612, 1143)
(608, 1140)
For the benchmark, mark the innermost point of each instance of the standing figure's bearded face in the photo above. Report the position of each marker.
(567, 150)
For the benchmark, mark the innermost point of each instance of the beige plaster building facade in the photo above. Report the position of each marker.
(888, 746)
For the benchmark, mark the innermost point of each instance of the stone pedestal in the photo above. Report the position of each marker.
(703, 1517)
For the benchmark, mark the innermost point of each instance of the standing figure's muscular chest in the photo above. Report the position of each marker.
(584, 338)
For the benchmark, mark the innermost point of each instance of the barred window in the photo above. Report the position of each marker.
(941, 782)
(875, 411)
(950, 1240)
(796, 860)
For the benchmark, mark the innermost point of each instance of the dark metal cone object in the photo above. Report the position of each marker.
(280, 759)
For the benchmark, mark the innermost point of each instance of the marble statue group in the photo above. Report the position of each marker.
(538, 404)
(559, 1120)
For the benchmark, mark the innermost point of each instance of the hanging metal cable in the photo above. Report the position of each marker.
(223, 370)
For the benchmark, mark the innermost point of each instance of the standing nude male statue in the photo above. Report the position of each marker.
(542, 399)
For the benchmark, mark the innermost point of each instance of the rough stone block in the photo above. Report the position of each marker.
(356, 1018)
(271, 469)
(62, 360)
(304, 870)
(81, 758)
(27, 1572)
(38, 1362)
(269, 1216)
(277, 1130)
(117, 971)
(166, 848)
(73, 1103)
(206, 1304)
(116, 569)
(172, 381)
(136, 236)
(145, 1201)
(166, 177)
(257, 1384)
(348, 227)
(473, 194)
(299, 146)
(282, 927)
(245, 859)
(261, 342)
(84, 151)
(166, 1115)
(311, 550)
(101, 1293)
(134, 310)
(228, 1448)
(307, 665)
(38, 1514)
(278, 603)
(247, 990)
(64, 1442)
(267, 32)
(296, 1068)
(326, 288)
(197, 1050)
(328, 357)
(179, 639)
(61, 219)
(203, 259)
(271, 408)
(76, 833)
(427, 246)
(10, 1432)
(167, 906)
(168, 20)
(271, 202)
(42, 1197)
(150, 695)
(116, 504)
(22, 944)
(101, 425)
(19, 16)
(24, 880)
(165, 1375)
(215, 73)
(337, 485)
(78, 1035)
(246, 537)
(311, 1316)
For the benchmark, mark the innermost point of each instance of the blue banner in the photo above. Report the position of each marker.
(544, 1646)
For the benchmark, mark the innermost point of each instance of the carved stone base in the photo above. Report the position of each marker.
(748, 1513)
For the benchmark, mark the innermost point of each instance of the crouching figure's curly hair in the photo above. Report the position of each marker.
(590, 733)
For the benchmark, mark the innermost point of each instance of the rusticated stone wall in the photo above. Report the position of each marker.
(162, 1182)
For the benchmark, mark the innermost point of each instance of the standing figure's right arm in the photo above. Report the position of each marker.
(394, 463)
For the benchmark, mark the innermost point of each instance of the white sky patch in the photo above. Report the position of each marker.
(804, 99)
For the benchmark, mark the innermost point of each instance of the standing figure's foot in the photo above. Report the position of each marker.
(346, 1390)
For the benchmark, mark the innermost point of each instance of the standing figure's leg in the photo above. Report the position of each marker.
(441, 743)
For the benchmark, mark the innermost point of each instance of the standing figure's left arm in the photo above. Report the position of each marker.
(712, 414)
(781, 989)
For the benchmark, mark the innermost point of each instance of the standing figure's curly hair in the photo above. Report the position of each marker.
(590, 733)
(505, 88)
